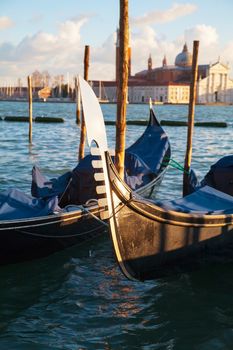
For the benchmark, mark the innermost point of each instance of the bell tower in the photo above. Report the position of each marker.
(149, 63)
(164, 63)
(149, 66)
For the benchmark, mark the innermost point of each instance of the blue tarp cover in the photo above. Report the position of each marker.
(152, 146)
(136, 171)
(206, 200)
(193, 181)
(15, 204)
(224, 162)
(41, 187)
(220, 175)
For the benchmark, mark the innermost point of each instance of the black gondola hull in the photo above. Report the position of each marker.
(35, 238)
(153, 249)
(151, 242)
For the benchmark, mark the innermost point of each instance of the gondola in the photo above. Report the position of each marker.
(152, 238)
(63, 212)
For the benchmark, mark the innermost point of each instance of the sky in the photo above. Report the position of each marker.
(50, 35)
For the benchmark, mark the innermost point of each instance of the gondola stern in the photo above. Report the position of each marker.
(153, 120)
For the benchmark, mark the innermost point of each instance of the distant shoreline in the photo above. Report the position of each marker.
(58, 100)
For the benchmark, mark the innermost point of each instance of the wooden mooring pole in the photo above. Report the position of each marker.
(192, 100)
(122, 87)
(78, 102)
(83, 126)
(30, 107)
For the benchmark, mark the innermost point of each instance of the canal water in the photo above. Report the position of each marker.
(78, 299)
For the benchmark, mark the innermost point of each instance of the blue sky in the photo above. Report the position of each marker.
(50, 35)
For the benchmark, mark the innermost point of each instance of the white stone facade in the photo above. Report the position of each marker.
(178, 93)
(142, 94)
(175, 93)
(217, 86)
(167, 93)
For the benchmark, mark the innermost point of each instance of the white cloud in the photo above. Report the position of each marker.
(173, 13)
(69, 32)
(58, 53)
(63, 51)
(210, 47)
(5, 22)
(227, 54)
(147, 41)
(55, 53)
(65, 42)
(228, 50)
(207, 35)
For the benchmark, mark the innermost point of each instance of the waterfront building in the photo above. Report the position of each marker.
(171, 83)
(216, 86)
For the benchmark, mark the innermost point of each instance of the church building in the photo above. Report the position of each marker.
(171, 83)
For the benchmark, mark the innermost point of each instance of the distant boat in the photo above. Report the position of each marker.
(102, 94)
(45, 93)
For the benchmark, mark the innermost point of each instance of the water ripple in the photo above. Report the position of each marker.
(78, 299)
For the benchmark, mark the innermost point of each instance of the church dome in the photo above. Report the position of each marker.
(184, 59)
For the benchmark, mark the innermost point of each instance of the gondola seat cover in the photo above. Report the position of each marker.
(206, 200)
(193, 181)
(220, 175)
(74, 187)
(136, 172)
(82, 188)
(14, 204)
(42, 187)
(78, 186)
